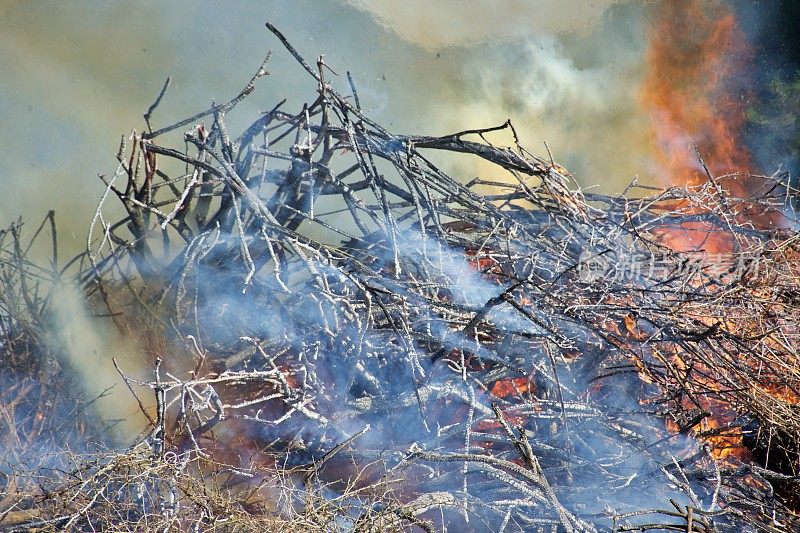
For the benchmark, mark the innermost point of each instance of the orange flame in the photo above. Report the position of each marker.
(696, 54)
(697, 57)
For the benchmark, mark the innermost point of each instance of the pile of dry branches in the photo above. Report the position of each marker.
(350, 338)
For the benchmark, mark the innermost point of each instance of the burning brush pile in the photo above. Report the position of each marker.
(345, 337)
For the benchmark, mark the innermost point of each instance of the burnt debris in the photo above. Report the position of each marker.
(345, 336)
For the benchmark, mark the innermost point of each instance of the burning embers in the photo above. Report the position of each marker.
(357, 340)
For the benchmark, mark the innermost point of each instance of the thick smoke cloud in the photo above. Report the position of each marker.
(568, 77)
(79, 76)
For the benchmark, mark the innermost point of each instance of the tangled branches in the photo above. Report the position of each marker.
(345, 330)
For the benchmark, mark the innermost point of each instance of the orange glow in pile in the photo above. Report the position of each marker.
(510, 387)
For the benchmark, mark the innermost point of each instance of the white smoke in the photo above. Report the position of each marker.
(89, 346)
(565, 75)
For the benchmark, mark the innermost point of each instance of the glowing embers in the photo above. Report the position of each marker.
(510, 387)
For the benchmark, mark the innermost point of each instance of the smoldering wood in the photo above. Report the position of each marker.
(420, 350)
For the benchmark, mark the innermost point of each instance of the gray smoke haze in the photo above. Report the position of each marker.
(78, 75)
